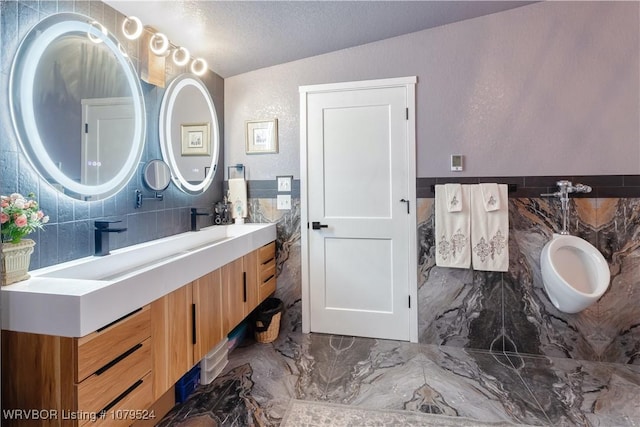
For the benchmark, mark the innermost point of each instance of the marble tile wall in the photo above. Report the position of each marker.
(508, 311)
(511, 312)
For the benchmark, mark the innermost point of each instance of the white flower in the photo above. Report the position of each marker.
(19, 203)
(45, 219)
(34, 216)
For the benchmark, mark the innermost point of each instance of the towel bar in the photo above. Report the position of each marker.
(238, 167)
(512, 188)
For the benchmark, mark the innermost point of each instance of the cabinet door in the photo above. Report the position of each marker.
(250, 264)
(207, 300)
(234, 294)
(172, 338)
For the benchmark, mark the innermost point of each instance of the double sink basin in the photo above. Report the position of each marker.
(75, 298)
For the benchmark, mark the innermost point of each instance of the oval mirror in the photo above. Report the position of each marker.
(189, 134)
(77, 106)
(156, 175)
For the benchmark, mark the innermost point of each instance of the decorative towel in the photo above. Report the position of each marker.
(490, 197)
(238, 198)
(454, 197)
(453, 247)
(490, 228)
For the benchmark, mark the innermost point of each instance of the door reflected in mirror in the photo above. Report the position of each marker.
(77, 106)
(189, 134)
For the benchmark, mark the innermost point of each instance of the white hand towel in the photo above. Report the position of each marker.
(454, 197)
(238, 197)
(453, 247)
(490, 231)
(490, 197)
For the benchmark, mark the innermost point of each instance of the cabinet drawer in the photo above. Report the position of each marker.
(267, 283)
(103, 387)
(101, 347)
(133, 407)
(267, 253)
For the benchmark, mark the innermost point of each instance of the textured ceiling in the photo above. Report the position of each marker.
(239, 36)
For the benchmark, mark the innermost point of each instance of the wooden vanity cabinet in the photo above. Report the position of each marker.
(70, 379)
(186, 324)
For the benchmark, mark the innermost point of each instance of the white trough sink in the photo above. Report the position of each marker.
(77, 297)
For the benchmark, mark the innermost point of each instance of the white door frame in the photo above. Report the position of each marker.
(409, 84)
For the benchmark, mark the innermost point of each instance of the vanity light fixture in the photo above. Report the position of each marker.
(200, 69)
(132, 27)
(181, 56)
(159, 44)
(94, 38)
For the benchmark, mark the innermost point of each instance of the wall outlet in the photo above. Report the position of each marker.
(284, 184)
(283, 202)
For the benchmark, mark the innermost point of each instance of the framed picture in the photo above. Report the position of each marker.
(196, 139)
(262, 136)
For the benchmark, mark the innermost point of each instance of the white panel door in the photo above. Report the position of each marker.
(108, 122)
(360, 189)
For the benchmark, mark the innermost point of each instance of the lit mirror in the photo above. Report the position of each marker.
(189, 134)
(77, 106)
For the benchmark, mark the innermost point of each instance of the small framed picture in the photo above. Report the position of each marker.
(262, 136)
(196, 140)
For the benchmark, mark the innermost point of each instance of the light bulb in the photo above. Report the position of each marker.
(131, 27)
(159, 44)
(199, 70)
(100, 28)
(181, 56)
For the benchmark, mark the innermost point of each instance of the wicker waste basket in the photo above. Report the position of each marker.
(267, 320)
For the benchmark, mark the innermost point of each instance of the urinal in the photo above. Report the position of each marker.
(574, 273)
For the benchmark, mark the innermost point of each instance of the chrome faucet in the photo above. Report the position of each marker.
(194, 218)
(564, 188)
(102, 232)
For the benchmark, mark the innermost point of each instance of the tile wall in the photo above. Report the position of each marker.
(69, 234)
(510, 311)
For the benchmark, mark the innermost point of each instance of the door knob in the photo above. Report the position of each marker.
(317, 226)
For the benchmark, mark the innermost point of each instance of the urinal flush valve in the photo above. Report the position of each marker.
(564, 188)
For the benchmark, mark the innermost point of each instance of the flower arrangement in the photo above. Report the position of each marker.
(20, 216)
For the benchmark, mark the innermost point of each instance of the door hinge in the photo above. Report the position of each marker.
(409, 301)
(407, 113)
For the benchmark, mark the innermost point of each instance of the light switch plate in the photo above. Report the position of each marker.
(283, 202)
(284, 183)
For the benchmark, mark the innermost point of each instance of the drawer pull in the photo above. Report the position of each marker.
(106, 367)
(194, 328)
(244, 286)
(117, 320)
(268, 278)
(268, 261)
(124, 394)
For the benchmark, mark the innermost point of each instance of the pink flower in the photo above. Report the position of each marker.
(4, 203)
(20, 220)
(3, 218)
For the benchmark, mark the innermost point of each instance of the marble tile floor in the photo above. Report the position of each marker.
(256, 386)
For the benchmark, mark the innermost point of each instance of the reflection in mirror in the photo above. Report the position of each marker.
(156, 175)
(77, 106)
(189, 134)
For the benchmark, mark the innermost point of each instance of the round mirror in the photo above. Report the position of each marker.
(77, 106)
(156, 175)
(189, 134)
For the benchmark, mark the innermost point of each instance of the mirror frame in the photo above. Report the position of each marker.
(23, 116)
(166, 128)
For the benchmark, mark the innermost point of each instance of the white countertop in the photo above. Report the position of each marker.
(75, 307)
